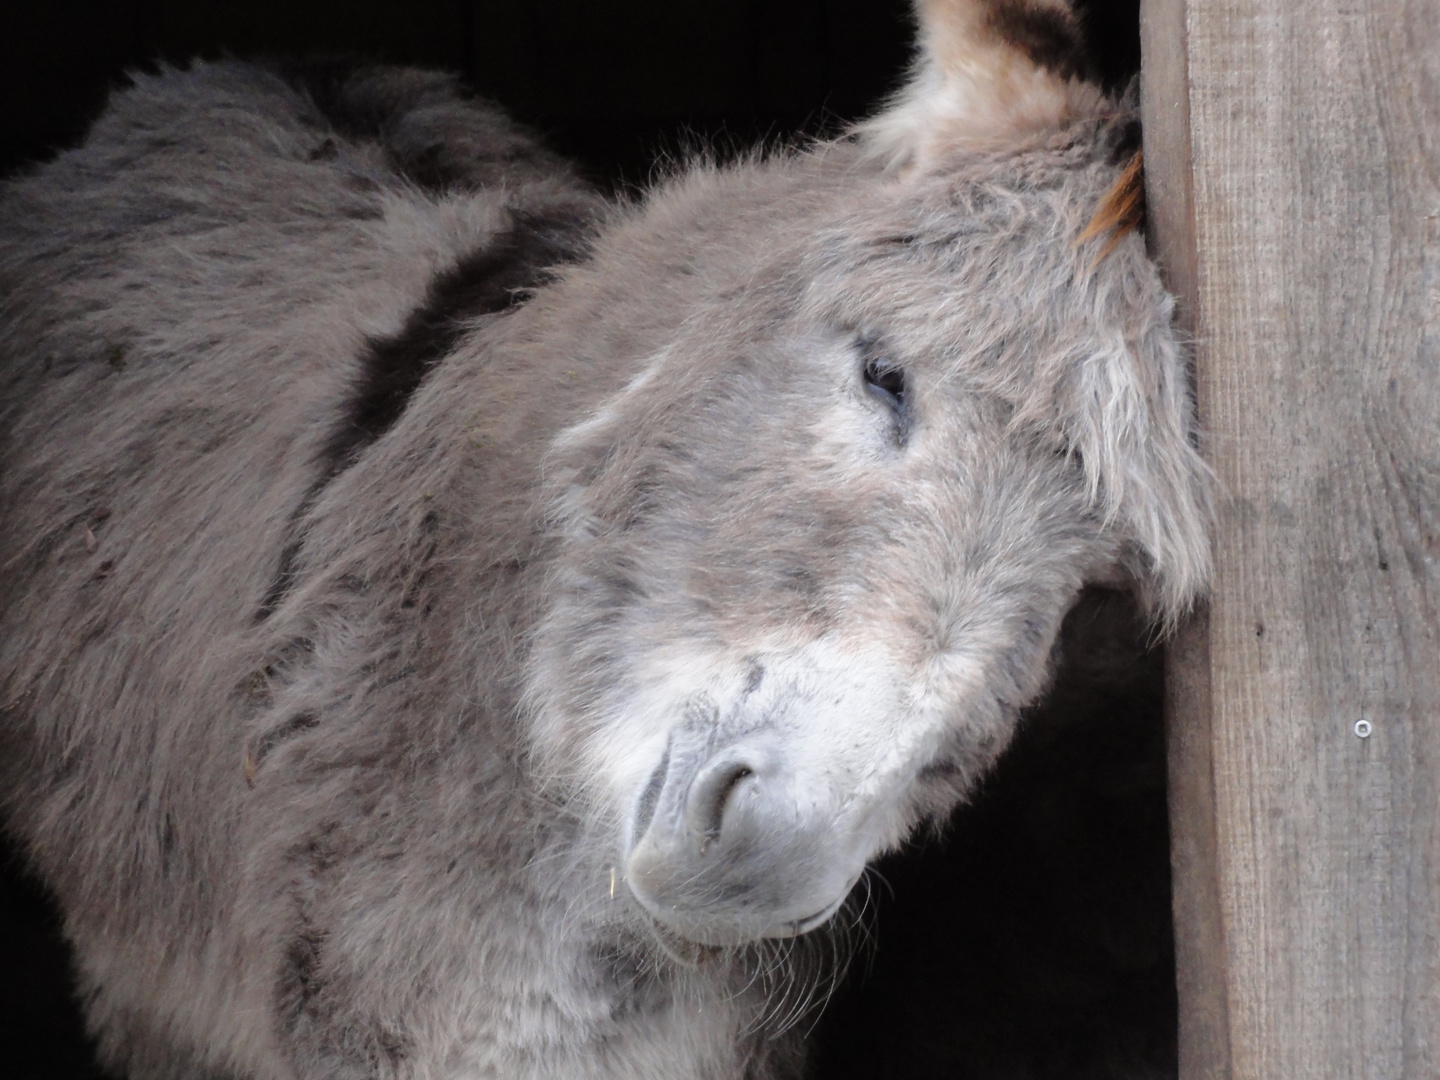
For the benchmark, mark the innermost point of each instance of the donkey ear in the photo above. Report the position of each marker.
(986, 71)
(1126, 408)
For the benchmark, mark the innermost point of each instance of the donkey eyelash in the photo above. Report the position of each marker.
(887, 381)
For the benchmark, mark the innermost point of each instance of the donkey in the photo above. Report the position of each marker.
(458, 625)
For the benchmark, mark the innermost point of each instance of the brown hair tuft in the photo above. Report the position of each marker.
(1122, 210)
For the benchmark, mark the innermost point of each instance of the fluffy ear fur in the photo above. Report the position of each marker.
(1137, 427)
(987, 71)
(1124, 405)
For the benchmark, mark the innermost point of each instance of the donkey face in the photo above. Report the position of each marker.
(816, 553)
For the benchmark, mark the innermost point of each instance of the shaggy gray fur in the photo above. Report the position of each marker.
(344, 827)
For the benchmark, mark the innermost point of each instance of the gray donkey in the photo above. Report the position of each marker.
(457, 626)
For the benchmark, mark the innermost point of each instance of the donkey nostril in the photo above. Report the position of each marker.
(722, 797)
(710, 798)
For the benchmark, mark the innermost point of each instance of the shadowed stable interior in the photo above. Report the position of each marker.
(1033, 938)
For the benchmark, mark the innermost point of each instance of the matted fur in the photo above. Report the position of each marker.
(338, 760)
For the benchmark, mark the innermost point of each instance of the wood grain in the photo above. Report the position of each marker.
(1200, 955)
(1307, 148)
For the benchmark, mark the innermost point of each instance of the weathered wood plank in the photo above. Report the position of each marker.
(1200, 944)
(1314, 169)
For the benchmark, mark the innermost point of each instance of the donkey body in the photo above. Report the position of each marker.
(457, 626)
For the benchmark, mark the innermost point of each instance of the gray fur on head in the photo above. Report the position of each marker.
(454, 626)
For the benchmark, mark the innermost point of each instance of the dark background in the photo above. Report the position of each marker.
(1033, 941)
(609, 80)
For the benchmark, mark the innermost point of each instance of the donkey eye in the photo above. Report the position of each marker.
(886, 381)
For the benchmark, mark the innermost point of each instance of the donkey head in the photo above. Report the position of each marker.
(816, 553)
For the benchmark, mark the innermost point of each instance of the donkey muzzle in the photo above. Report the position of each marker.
(730, 847)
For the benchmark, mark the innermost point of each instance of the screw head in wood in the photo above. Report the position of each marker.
(1363, 729)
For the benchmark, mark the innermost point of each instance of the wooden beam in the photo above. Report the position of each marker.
(1199, 942)
(1294, 160)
